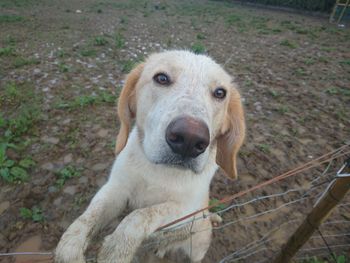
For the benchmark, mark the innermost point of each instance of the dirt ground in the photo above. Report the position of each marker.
(62, 65)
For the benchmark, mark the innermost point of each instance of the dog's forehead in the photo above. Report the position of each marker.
(177, 62)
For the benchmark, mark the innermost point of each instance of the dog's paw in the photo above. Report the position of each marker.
(117, 249)
(67, 252)
(70, 248)
(215, 219)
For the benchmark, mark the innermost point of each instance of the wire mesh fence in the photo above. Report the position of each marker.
(253, 226)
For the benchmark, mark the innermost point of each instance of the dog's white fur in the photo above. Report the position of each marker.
(159, 192)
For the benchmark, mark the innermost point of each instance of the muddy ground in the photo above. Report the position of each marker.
(62, 65)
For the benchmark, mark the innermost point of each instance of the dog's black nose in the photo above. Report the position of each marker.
(187, 136)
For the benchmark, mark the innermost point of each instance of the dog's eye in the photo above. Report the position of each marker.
(219, 93)
(162, 79)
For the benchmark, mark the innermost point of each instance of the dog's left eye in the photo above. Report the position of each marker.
(219, 93)
(162, 79)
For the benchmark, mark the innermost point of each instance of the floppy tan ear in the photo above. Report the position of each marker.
(127, 107)
(232, 137)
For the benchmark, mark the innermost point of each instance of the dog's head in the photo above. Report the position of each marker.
(185, 105)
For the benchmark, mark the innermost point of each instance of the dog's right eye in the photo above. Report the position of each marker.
(162, 79)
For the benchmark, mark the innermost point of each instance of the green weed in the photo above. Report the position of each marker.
(198, 48)
(61, 53)
(20, 62)
(336, 91)
(14, 131)
(7, 51)
(88, 52)
(288, 43)
(12, 91)
(87, 100)
(339, 259)
(300, 72)
(63, 67)
(35, 214)
(345, 62)
(123, 20)
(200, 36)
(309, 61)
(127, 65)
(264, 147)
(13, 171)
(233, 19)
(100, 41)
(10, 40)
(217, 207)
(10, 18)
(273, 93)
(18, 3)
(119, 40)
(65, 174)
(283, 109)
(323, 60)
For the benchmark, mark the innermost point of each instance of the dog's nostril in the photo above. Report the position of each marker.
(174, 138)
(200, 146)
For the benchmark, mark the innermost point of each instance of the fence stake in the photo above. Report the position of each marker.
(335, 192)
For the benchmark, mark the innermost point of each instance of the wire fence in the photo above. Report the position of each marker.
(258, 221)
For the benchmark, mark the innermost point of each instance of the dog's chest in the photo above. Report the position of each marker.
(150, 193)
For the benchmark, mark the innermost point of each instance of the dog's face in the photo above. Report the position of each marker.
(185, 106)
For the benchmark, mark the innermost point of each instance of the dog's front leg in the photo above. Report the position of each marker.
(106, 204)
(122, 244)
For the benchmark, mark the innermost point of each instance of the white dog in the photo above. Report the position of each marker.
(188, 120)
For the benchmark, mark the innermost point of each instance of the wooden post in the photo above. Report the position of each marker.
(335, 193)
(343, 11)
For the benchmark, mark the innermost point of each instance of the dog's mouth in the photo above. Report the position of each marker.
(180, 163)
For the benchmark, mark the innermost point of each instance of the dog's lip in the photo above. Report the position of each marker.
(179, 163)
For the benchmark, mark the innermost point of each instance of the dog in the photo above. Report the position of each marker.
(181, 119)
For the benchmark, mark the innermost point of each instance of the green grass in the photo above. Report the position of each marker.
(274, 93)
(10, 18)
(19, 3)
(16, 130)
(264, 147)
(61, 53)
(337, 91)
(65, 174)
(12, 171)
(216, 208)
(338, 259)
(10, 40)
(200, 36)
(300, 72)
(83, 101)
(283, 109)
(20, 62)
(63, 68)
(198, 48)
(345, 62)
(127, 65)
(288, 43)
(88, 52)
(119, 40)
(309, 61)
(7, 51)
(35, 214)
(233, 19)
(100, 41)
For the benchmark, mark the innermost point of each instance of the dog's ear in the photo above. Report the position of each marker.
(127, 107)
(232, 136)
